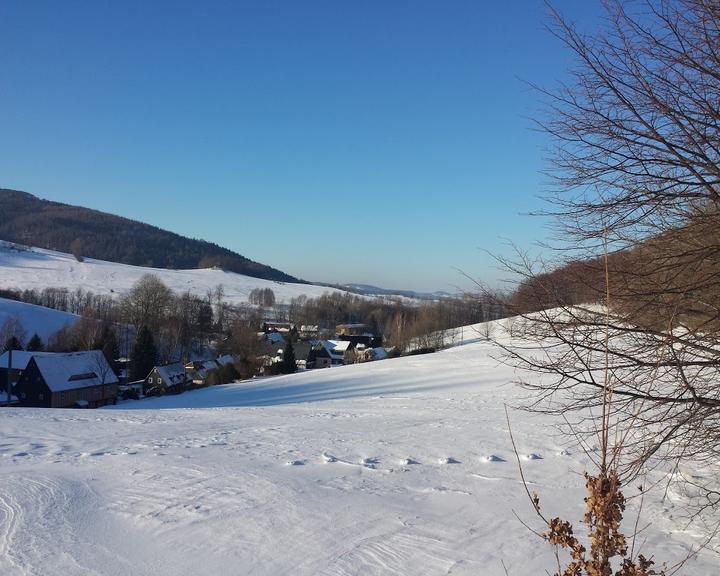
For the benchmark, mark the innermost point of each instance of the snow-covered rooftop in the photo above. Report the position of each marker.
(20, 358)
(75, 370)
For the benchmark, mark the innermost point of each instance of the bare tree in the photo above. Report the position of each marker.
(147, 302)
(636, 163)
(12, 330)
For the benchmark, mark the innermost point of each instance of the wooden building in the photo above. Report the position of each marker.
(168, 379)
(76, 379)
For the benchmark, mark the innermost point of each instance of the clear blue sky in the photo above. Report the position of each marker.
(382, 142)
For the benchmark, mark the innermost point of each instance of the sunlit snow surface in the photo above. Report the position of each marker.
(38, 268)
(398, 467)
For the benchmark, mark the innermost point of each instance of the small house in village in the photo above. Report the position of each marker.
(75, 379)
(326, 353)
(167, 379)
(371, 354)
(199, 370)
(358, 334)
(309, 332)
(276, 326)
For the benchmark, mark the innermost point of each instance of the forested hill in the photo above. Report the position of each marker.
(26, 219)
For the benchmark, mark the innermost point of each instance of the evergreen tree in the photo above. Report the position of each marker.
(12, 343)
(288, 365)
(143, 356)
(35, 344)
(205, 317)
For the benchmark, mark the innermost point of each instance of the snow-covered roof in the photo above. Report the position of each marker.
(275, 337)
(73, 370)
(379, 353)
(205, 367)
(340, 345)
(336, 348)
(20, 358)
(308, 328)
(172, 374)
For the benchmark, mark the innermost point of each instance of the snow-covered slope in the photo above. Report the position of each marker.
(395, 467)
(35, 319)
(22, 268)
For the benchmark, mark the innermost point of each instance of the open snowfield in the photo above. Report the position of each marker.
(35, 319)
(38, 268)
(398, 467)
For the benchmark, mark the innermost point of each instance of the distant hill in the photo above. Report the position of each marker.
(33, 221)
(369, 290)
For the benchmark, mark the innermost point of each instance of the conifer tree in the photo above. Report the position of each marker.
(12, 343)
(143, 356)
(35, 344)
(288, 365)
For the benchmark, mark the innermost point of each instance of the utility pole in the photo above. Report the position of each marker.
(9, 368)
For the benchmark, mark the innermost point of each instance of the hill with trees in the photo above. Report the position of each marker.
(83, 232)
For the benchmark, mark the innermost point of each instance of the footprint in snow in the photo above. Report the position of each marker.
(532, 456)
(492, 458)
(408, 462)
(295, 463)
(449, 460)
(328, 458)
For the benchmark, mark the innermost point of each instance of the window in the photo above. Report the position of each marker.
(41, 397)
(150, 380)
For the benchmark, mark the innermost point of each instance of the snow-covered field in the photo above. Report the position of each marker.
(38, 268)
(396, 467)
(35, 319)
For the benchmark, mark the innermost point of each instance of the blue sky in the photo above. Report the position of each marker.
(378, 142)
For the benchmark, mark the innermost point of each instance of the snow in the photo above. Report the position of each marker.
(34, 319)
(61, 371)
(399, 467)
(339, 345)
(20, 358)
(22, 268)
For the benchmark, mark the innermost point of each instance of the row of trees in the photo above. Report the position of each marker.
(400, 321)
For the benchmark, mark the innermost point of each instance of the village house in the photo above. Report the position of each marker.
(309, 332)
(167, 379)
(75, 379)
(276, 326)
(371, 354)
(358, 334)
(199, 370)
(326, 353)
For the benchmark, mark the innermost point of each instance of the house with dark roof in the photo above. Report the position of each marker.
(167, 379)
(358, 334)
(199, 370)
(76, 379)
